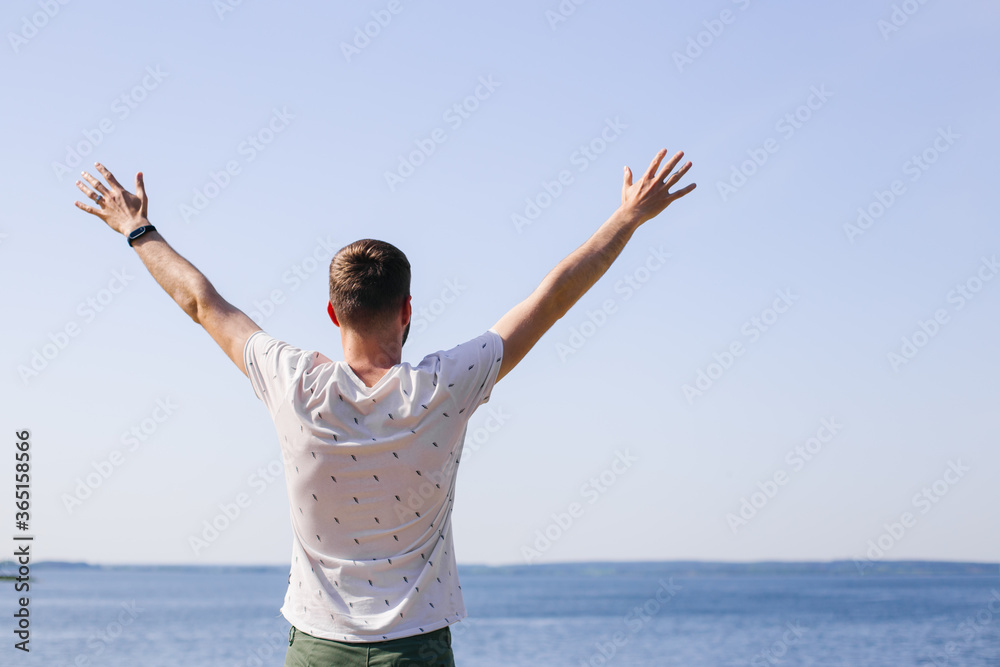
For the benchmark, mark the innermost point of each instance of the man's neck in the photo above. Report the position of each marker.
(370, 358)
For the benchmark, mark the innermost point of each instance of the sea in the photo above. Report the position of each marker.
(574, 614)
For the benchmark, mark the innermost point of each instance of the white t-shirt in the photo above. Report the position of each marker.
(371, 483)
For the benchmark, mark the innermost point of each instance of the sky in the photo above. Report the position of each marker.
(797, 361)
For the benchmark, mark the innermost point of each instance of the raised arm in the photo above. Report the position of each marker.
(526, 322)
(125, 212)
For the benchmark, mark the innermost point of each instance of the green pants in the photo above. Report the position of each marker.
(432, 649)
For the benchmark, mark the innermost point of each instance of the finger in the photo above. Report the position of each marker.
(88, 209)
(140, 191)
(108, 176)
(140, 188)
(655, 164)
(676, 176)
(87, 191)
(95, 183)
(627, 183)
(670, 164)
(683, 191)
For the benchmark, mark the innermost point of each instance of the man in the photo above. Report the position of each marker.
(371, 445)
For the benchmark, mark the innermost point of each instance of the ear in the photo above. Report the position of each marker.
(333, 315)
(407, 310)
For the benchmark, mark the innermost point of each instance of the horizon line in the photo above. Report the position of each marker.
(771, 561)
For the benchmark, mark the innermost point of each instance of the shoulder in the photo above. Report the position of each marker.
(489, 339)
(479, 348)
(273, 358)
(260, 343)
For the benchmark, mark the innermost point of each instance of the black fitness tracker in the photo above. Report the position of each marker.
(136, 233)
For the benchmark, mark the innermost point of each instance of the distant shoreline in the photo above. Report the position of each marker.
(911, 568)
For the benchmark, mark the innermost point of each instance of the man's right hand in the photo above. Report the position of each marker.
(646, 199)
(116, 206)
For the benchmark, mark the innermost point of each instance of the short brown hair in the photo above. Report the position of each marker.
(369, 280)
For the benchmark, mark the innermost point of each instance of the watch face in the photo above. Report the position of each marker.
(136, 233)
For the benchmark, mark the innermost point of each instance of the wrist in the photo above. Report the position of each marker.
(140, 234)
(628, 217)
(134, 225)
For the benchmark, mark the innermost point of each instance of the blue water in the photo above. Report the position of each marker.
(573, 615)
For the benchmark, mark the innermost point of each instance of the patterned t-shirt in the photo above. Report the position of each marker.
(371, 474)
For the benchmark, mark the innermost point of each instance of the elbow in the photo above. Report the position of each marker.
(196, 303)
(202, 300)
(192, 308)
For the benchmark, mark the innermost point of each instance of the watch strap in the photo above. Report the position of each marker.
(139, 231)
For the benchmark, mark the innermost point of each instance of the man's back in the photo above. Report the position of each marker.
(371, 479)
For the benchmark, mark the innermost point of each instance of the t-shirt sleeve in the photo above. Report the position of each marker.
(272, 366)
(470, 370)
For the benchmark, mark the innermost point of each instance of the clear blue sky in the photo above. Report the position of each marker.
(795, 116)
